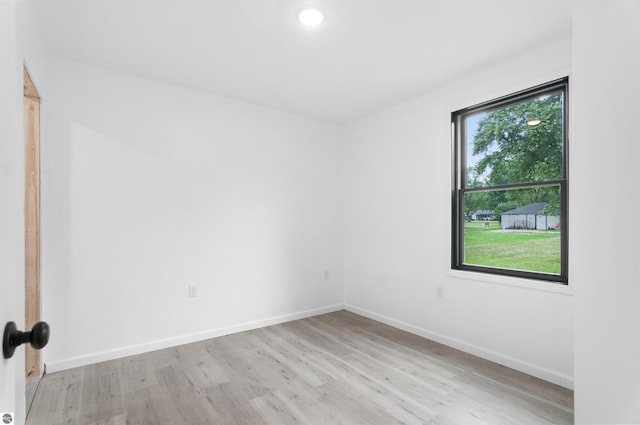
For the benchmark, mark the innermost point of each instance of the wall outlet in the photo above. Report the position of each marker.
(440, 291)
(193, 291)
(326, 275)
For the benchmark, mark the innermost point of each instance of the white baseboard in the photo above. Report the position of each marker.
(146, 347)
(520, 365)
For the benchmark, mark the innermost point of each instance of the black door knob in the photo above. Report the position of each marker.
(38, 337)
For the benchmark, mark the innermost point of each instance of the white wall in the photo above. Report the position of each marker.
(606, 42)
(397, 232)
(149, 188)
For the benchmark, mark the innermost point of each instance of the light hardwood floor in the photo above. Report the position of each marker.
(338, 368)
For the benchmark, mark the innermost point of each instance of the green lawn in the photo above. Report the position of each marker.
(531, 250)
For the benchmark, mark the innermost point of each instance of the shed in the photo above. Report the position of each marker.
(529, 217)
(483, 215)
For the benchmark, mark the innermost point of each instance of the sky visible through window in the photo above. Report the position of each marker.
(471, 123)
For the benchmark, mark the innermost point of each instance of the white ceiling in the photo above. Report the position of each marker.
(367, 55)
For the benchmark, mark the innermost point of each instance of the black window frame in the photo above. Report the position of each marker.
(459, 188)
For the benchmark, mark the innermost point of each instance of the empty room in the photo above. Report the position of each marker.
(319, 212)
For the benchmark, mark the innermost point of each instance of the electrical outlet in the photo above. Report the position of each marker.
(326, 275)
(193, 291)
(439, 291)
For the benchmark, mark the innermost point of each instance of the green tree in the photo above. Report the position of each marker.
(520, 143)
(476, 201)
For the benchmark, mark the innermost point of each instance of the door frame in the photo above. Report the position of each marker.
(31, 103)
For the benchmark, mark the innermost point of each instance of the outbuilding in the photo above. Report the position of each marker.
(482, 215)
(531, 217)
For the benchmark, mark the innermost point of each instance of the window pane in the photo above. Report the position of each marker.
(515, 229)
(519, 143)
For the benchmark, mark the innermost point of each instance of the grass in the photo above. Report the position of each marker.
(537, 251)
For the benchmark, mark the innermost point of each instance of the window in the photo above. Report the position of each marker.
(509, 196)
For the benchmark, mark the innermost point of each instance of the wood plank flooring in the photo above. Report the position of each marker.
(337, 368)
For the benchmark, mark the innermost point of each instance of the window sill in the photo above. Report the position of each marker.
(513, 282)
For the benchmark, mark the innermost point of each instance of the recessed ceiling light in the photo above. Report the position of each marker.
(533, 122)
(311, 17)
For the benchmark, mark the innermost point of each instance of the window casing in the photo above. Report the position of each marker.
(510, 164)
